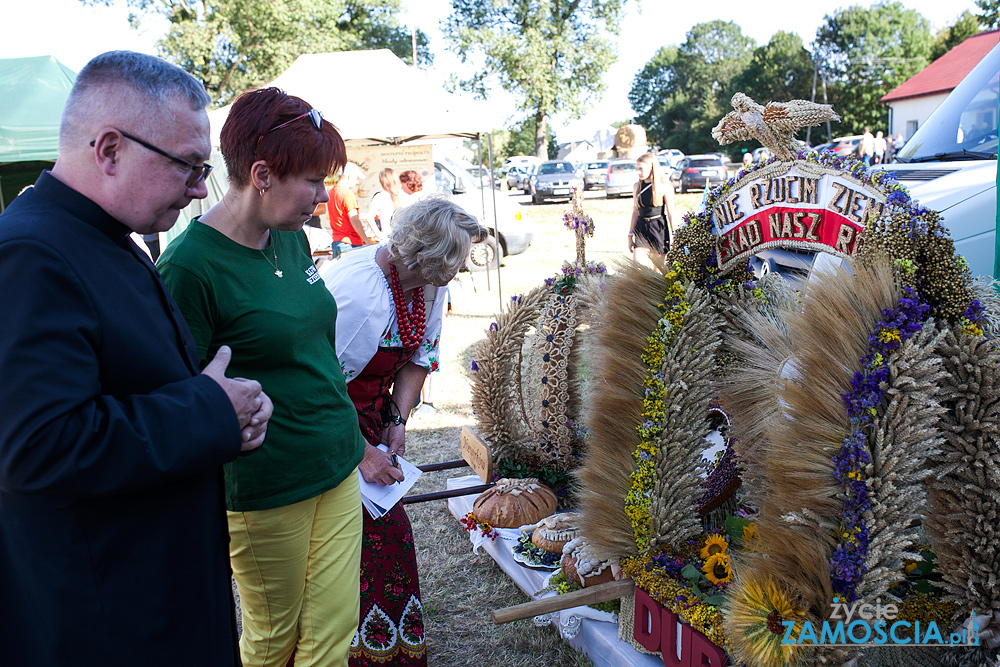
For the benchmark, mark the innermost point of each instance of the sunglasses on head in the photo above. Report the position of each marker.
(199, 172)
(314, 115)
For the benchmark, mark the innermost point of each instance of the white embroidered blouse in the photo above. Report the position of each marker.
(366, 315)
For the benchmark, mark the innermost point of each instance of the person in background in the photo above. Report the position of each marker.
(243, 277)
(390, 299)
(345, 222)
(747, 159)
(653, 211)
(385, 202)
(878, 145)
(866, 147)
(410, 184)
(113, 541)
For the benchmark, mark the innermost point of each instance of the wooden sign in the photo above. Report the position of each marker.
(477, 454)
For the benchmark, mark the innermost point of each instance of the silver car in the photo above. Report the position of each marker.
(594, 173)
(555, 179)
(620, 178)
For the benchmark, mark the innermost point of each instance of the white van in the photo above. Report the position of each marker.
(950, 164)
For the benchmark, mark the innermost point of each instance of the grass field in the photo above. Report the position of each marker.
(460, 589)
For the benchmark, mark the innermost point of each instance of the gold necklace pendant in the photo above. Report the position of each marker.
(278, 272)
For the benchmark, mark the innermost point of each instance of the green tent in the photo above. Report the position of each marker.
(33, 92)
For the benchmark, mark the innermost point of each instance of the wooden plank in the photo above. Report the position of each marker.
(444, 495)
(445, 465)
(611, 590)
(478, 454)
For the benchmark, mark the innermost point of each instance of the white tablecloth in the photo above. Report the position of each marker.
(598, 640)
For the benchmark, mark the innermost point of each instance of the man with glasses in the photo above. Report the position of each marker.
(113, 537)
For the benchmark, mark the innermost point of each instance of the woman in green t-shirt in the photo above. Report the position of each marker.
(243, 276)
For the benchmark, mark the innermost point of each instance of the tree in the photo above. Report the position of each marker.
(684, 90)
(965, 26)
(552, 53)
(233, 45)
(868, 52)
(520, 140)
(779, 71)
(990, 17)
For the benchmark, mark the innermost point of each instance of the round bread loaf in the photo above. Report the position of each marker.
(514, 502)
(555, 532)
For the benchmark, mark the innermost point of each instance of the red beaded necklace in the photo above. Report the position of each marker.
(411, 322)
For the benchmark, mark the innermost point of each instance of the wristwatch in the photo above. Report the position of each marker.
(397, 420)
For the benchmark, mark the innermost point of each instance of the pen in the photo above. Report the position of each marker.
(395, 461)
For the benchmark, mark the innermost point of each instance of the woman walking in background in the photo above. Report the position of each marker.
(653, 211)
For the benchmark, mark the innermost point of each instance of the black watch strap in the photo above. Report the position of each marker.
(397, 420)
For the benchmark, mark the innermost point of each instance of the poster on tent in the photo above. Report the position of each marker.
(373, 159)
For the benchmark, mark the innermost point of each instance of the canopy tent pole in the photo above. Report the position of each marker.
(496, 218)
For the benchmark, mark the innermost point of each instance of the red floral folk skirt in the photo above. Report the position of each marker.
(391, 631)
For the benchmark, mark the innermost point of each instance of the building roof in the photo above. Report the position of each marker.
(942, 75)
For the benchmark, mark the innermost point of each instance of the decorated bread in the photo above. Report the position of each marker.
(554, 532)
(514, 502)
(581, 566)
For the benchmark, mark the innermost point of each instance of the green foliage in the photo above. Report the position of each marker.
(520, 140)
(232, 45)
(990, 17)
(683, 91)
(551, 54)
(561, 482)
(867, 53)
(734, 528)
(965, 26)
(779, 71)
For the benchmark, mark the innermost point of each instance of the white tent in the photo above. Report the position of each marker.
(373, 97)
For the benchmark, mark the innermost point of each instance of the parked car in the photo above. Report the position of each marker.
(672, 155)
(513, 175)
(699, 171)
(620, 179)
(555, 179)
(511, 236)
(843, 145)
(524, 179)
(593, 174)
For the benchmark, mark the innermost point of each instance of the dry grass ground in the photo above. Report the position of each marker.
(460, 589)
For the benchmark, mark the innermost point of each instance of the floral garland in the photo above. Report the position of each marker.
(862, 402)
(654, 416)
(973, 318)
(571, 272)
(579, 221)
(471, 523)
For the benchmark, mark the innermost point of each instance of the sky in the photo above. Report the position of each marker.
(74, 33)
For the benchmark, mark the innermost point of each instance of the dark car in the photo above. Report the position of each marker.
(699, 171)
(555, 179)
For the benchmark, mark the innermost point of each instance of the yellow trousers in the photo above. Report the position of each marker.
(297, 569)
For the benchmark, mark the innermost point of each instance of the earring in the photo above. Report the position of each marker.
(262, 192)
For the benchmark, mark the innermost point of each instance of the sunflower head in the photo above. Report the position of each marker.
(714, 544)
(756, 613)
(717, 569)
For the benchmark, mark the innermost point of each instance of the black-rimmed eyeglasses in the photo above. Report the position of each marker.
(199, 172)
(314, 115)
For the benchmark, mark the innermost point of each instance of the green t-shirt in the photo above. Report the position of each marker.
(282, 333)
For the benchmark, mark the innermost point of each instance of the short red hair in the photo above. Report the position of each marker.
(289, 151)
